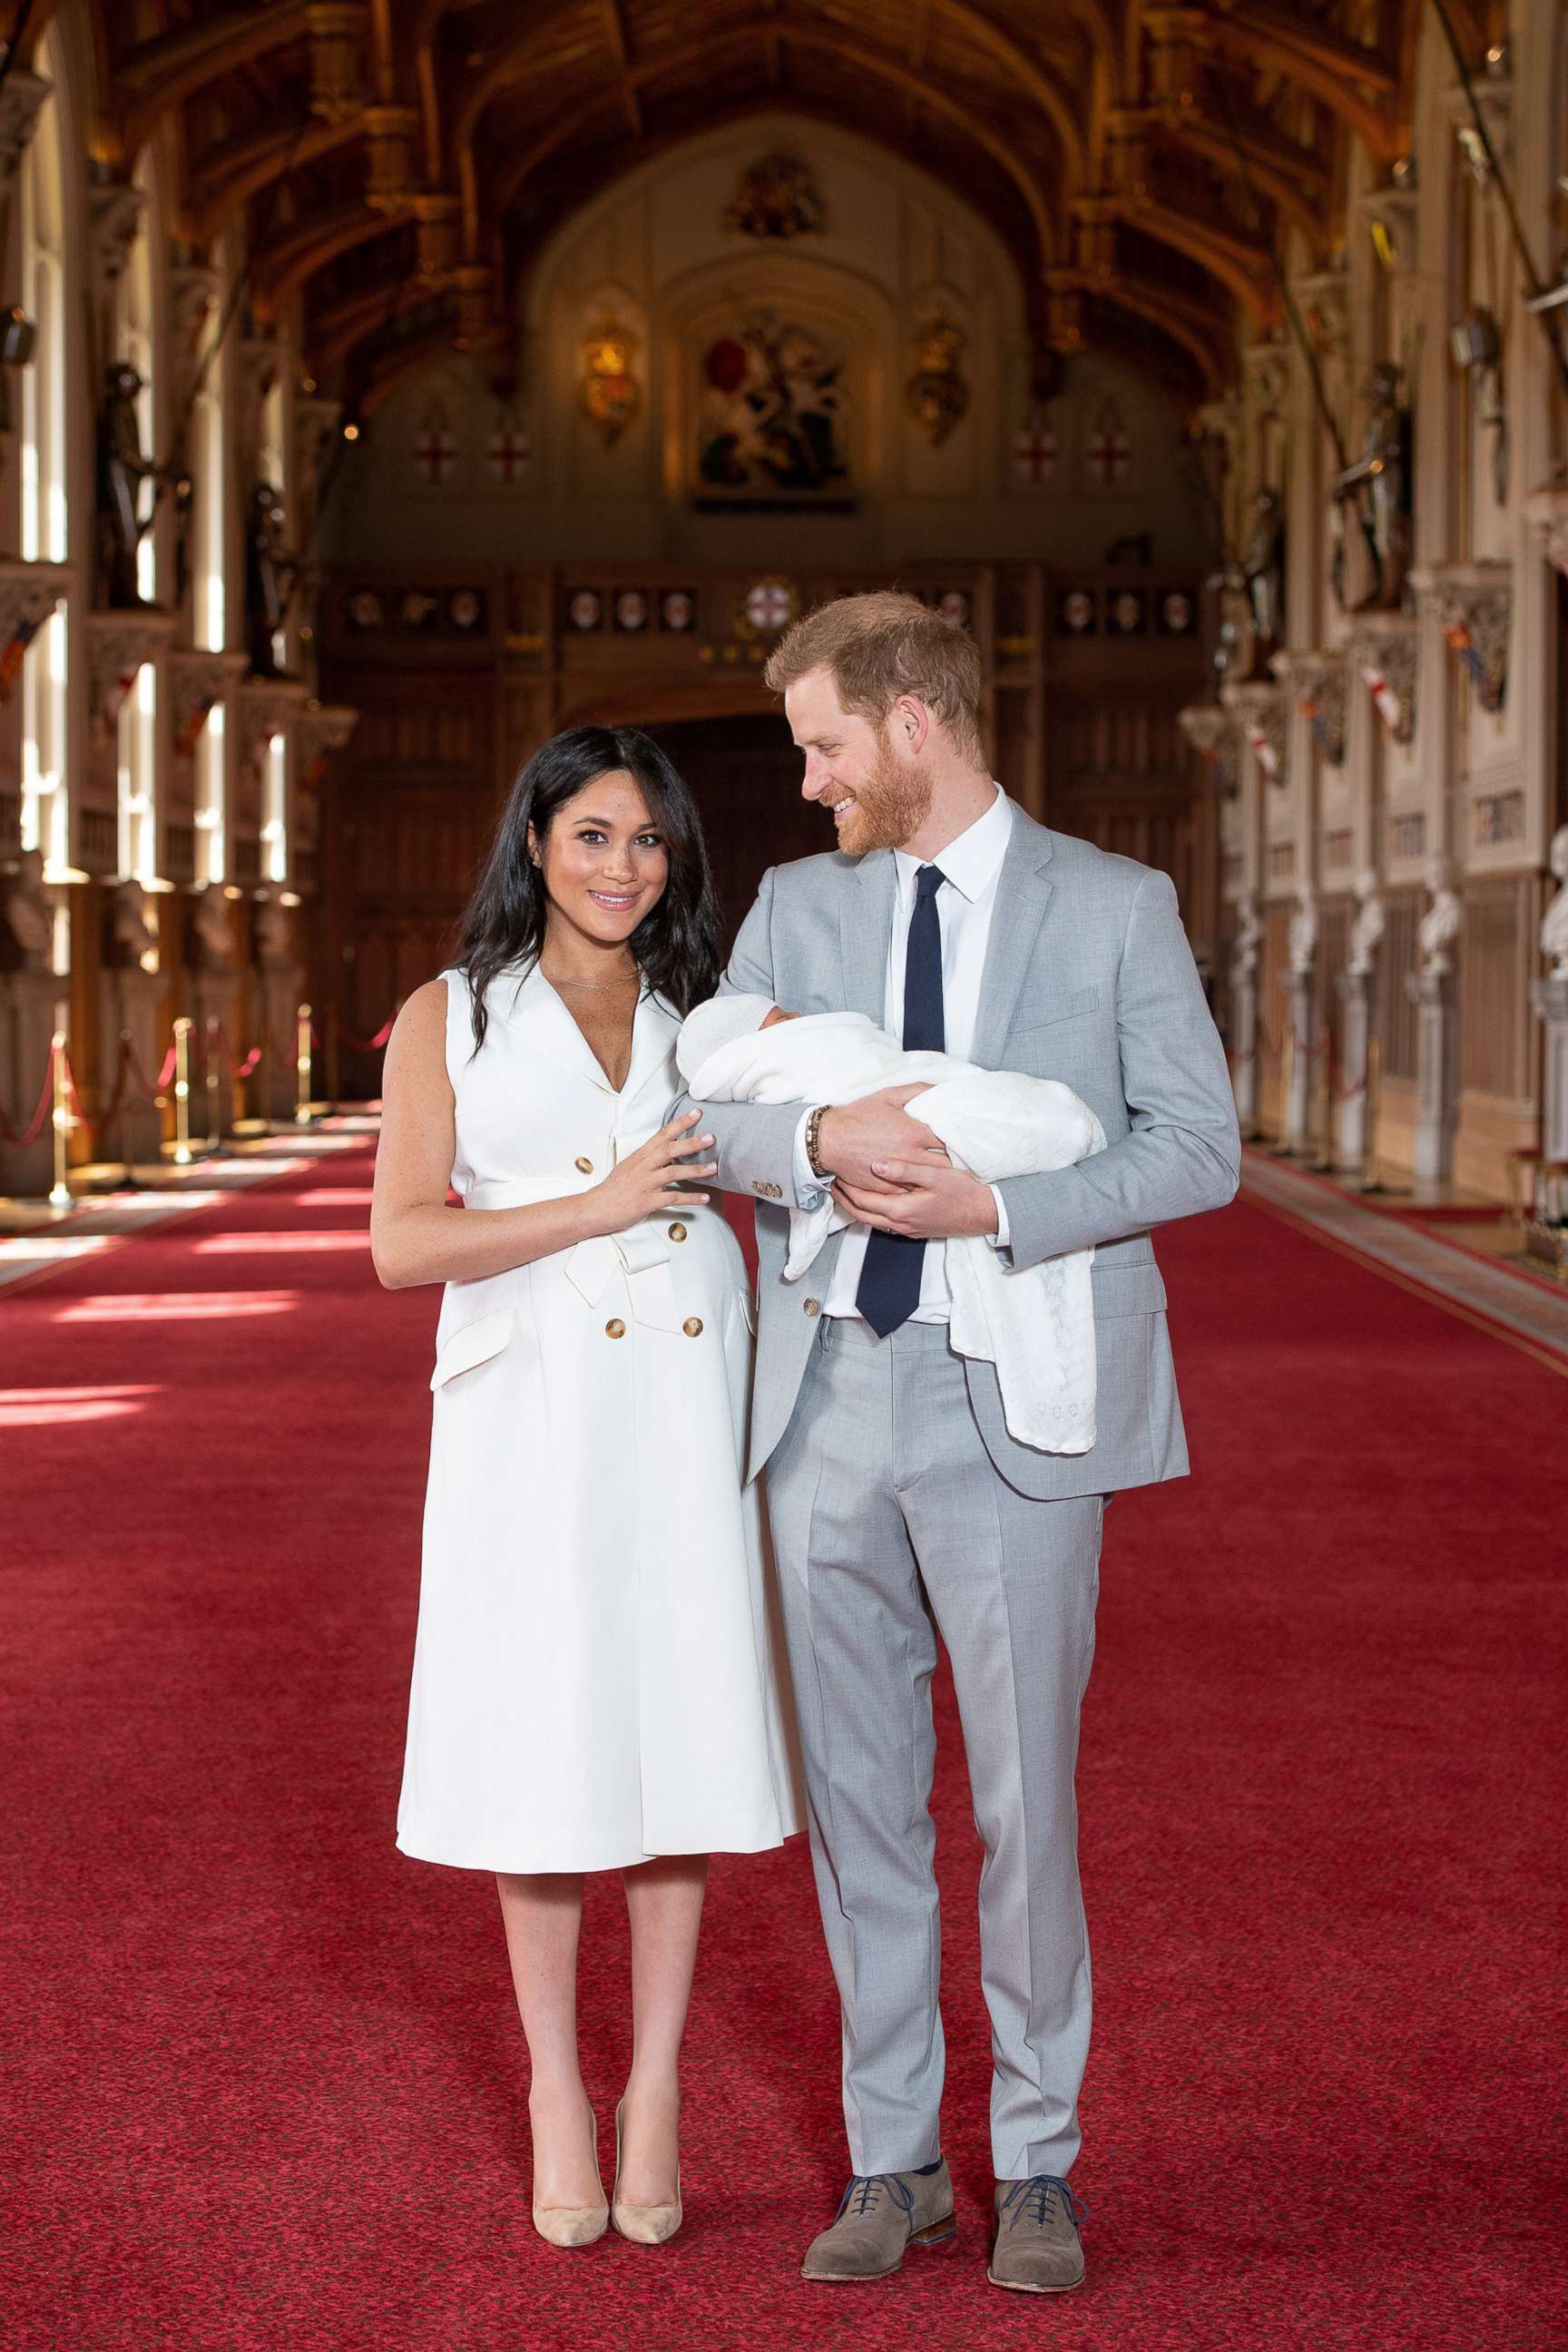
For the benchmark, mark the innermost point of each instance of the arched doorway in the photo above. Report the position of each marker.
(744, 773)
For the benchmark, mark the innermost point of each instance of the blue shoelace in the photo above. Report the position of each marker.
(866, 2189)
(1033, 2200)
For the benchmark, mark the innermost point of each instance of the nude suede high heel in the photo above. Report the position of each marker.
(645, 2225)
(575, 2225)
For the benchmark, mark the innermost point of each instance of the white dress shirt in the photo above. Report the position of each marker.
(971, 867)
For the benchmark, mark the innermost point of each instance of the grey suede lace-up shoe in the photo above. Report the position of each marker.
(880, 2214)
(1035, 2243)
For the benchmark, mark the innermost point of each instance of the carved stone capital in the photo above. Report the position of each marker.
(193, 294)
(1324, 298)
(1473, 605)
(321, 727)
(478, 325)
(1319, 685)
(114, 215)
(1263, 714)
(22, 97)
(266, 706)
(1266, 373)
(315, 420)
(195, 682)
(261, 361)
(118, 646)
(1384, 647)
(1211, 730)
(29, 594)
(1547, 510)
(1494, 97)
(1394, 211)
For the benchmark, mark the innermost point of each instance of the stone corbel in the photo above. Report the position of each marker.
(1265, 372)
(1547, 511)
(1473, 605)
(114, 216)
(266, 706)
(1494, 97)
(1385, 648)
(1319, 687)
(29, 594)
(1174, 59)
(337, 30)
(321, 727)
(1211, 730)
(1262, 712)
(193, 296)
(22, 97)
(196, 680)
(118, 646)
(478, 325)
(1324, 298)
(315, 420)
(261, 361)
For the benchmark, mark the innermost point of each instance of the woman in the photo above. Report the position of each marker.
(596, 1684)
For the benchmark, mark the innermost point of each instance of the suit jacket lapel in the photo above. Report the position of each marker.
(866, 926)
(1024, 893)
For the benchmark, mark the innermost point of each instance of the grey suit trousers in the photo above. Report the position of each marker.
(888, 1513)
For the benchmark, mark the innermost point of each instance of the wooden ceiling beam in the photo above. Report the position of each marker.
(1335, 73)
(159, 73)
(1005, 155)
(237, 174)
(280, 267)
(616, 34)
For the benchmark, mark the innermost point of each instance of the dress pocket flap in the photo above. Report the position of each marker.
(473, 1343)
(1128, 1290)
(1082, 1001)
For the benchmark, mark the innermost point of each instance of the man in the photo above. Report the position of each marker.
(896, 1495)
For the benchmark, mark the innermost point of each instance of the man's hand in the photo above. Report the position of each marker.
(927, 1200)
(850, 1135)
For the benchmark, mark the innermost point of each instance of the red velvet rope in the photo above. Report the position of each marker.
(23, 1137)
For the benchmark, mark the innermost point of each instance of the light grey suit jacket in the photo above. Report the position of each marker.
(1088, 979)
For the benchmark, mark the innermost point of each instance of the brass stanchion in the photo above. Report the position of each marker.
(60, 1195)
(214, 1082)
(302, 1067)
(183, 1155)
(1369, 1181)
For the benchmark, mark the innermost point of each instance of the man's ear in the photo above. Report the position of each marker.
(910, 723)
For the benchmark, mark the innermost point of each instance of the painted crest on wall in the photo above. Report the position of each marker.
(770, 417)
(937, 394)
(607, 391)
(777, 199)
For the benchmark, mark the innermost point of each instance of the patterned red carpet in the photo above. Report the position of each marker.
(267, 2090)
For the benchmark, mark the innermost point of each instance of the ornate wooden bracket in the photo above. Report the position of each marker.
(1320, 688)
(1473, 603)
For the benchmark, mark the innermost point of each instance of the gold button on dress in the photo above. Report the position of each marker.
(616, 1329)
(677, 1232)
(692, 1326)
(584, 1167)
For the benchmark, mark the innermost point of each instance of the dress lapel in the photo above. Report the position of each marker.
(866, 926)
(546, 1019)
(1024, 893)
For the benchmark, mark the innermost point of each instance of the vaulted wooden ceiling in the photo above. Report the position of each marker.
(400, 160)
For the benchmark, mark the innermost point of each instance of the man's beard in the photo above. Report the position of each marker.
(891, 804)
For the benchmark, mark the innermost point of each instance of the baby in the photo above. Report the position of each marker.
(1037, 1326)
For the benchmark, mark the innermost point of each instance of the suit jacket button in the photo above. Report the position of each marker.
(614, 1328)
(692, 1326)
(677, 1232)
(584, 1167)
(814, 1305)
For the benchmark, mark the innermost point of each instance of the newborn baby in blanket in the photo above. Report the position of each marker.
(1038, 1325)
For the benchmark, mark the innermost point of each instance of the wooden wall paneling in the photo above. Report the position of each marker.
(1273, 1009)
(1497, 962)
(1396, 1015)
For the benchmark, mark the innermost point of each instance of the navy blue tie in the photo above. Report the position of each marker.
(890, 1286)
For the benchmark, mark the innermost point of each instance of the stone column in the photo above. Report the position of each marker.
(1432, 992)
(1299, 1137)
(1350, 1110)
(1550, 998)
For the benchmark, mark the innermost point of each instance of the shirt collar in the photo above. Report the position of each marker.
(973, 861)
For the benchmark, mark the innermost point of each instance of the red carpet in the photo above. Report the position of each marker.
(268, 2089)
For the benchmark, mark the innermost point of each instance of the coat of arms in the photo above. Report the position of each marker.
(777, 198)
(608, 392)
(771, 412)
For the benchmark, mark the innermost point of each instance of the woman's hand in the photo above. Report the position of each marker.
(642, 1185)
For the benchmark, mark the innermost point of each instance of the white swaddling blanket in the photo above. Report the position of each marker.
(1037, 1326)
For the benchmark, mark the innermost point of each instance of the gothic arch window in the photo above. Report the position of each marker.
(47, 294)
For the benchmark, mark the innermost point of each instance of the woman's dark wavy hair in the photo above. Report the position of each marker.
(677, 942)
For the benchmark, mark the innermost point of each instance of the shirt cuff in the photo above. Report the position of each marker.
(1001, 1238)
(808, 1190)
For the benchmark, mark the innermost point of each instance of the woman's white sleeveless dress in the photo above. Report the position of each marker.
(597, 1673)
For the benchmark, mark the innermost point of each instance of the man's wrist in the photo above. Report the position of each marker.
(814, 1127)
